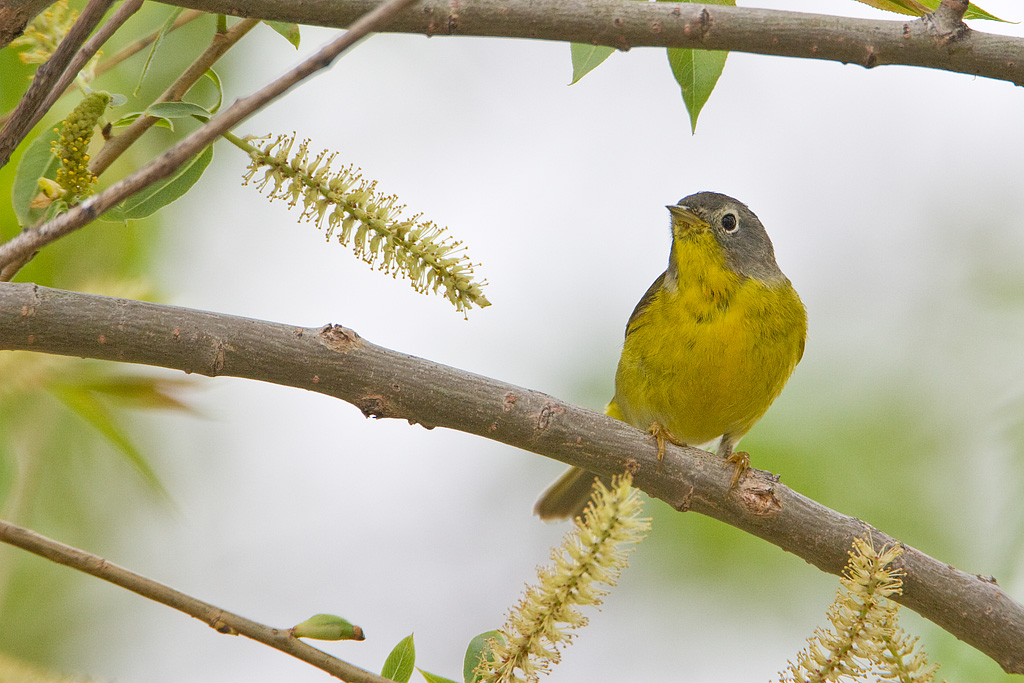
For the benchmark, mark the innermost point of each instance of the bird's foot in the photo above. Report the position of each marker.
(741, 462)
(661, 435)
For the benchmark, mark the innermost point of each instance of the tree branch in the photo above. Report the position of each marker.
(220, 620)
(624, 25)
(15, 15)
(337, 362)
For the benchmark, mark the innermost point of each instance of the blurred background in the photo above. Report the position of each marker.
(892, 197)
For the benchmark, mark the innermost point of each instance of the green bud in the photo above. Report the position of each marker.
(327, 627)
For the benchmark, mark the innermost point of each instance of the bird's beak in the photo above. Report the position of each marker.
(687, 219)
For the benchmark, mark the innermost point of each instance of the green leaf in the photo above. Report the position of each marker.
(85, 404)
(919, 8)
(911, 7)
(37, 162)
(400, 663)
(136, 391)
(164, 30)
(212, 75)
(697, 72)
(974, 12)
(434, 678)
(130, 118)
(177, 110)
(159, 195)
(478, 647)
(586, 58)
(289, 31)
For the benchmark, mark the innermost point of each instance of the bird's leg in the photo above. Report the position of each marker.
(740, 460)
(662, 435)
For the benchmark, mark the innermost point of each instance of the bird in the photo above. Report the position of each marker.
(709, 346)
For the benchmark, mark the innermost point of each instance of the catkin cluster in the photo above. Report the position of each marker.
(358, 214)
(588, 562)
(865, 641)
(72, 147)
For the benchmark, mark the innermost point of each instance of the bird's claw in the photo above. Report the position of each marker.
(661, 435)
(741, 462)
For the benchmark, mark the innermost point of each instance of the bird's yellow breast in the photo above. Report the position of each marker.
(711, 350)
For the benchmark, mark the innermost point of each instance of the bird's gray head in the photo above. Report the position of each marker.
(748, 250)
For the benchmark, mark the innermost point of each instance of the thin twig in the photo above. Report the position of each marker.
(28, 112)
(947, 21)
(382, 383)
(219, 619)
(29, 241)
(221, 43)
(142, 43)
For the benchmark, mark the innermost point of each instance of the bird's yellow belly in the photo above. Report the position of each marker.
(705, 364)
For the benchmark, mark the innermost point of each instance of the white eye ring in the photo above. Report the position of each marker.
(730, 223)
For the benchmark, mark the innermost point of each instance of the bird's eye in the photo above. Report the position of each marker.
(729, 222)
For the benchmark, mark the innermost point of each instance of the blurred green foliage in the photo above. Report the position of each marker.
(73, 463)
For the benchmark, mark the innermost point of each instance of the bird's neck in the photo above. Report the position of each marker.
(696, 262)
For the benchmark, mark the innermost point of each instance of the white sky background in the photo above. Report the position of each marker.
(291, 503)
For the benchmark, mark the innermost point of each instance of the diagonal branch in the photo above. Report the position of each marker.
(383, 383)
(218, 619)
(626, 24)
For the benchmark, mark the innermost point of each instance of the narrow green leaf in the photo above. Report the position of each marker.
(586, 58)
(164, 30)
(128, 119)
(37, 162)
(212, 75)
(289, 31)
(697, 72)
(477, 648)
(975, 12)
(85, 404)
(400, 663)
(434, 678)
(141, 392)
(177, 110)
(919, 8)
(159, 195)
(911, 7)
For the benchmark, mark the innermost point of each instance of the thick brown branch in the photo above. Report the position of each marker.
(218, 619)
(622, 24)
(383, 383)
